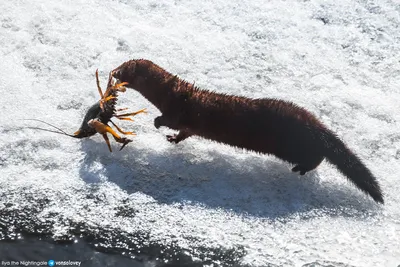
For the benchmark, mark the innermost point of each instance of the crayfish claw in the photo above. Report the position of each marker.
(125, 142)
(98, 119)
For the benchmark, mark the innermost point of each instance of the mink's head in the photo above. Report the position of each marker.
(126, 72)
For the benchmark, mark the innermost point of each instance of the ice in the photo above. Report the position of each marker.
(338, 59)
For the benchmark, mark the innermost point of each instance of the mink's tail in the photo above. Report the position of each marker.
(350, 165)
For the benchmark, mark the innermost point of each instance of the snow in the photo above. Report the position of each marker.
(338, 59)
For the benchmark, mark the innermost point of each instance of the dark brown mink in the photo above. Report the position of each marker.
(268, 126)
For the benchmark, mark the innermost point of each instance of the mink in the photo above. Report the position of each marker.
(266, 125)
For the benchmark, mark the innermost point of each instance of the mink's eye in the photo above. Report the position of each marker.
(117, 74)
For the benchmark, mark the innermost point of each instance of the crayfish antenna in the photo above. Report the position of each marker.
(60, 131)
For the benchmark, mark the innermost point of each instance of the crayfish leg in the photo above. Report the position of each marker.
(121, 131)
(107, 141)
(131, 114)
(108, 98)
(124, 119)
(98, 84)
(120, 87)
(117, 87)
(104, 100)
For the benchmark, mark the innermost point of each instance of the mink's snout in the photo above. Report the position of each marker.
(125, 72)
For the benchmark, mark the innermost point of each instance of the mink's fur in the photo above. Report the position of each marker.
(268, 126)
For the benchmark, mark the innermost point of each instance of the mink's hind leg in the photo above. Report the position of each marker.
(301, 169)
(308, 165)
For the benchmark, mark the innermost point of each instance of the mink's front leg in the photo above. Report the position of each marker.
(173, 124)
(166, 121)
(176, 138)
(158, 122)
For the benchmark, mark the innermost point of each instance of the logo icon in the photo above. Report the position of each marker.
(51, 263)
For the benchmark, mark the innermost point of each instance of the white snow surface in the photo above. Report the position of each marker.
(338, 59)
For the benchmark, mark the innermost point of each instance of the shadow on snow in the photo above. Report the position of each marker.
(250, 185)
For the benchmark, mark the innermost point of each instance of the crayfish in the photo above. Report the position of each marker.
(100, 114)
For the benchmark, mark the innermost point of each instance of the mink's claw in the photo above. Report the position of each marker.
(172, 138)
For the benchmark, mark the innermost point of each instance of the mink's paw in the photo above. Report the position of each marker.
(157, 122)
(172, 138)
(299, 169)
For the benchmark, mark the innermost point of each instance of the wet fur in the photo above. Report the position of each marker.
(268, 126)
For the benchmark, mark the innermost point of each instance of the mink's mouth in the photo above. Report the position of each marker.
(116, 80)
